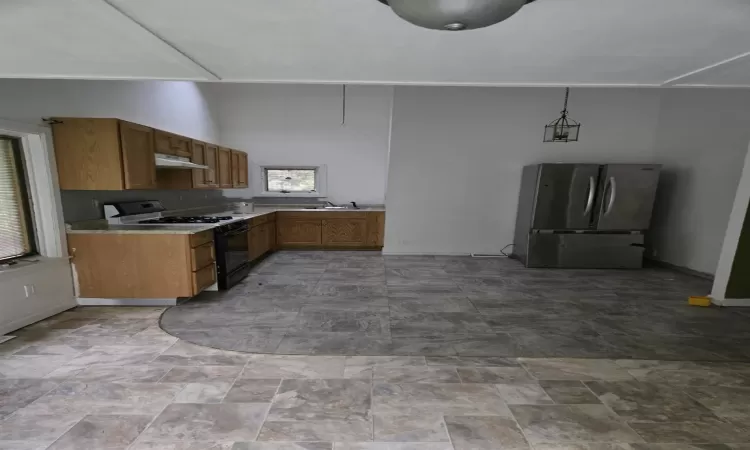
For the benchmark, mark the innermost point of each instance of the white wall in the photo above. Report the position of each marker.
(301, 125)
(702, 140)
(176, 106)
(456, 158)
(457, 153)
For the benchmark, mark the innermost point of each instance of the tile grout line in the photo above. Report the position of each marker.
(231, 385)
(372, 404)
(447, 433)
(153, 419)
(268, 411)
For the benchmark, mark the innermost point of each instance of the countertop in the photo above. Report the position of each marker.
(102, 227)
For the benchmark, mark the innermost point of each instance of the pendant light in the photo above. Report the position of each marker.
(563, 129)
(455, 15)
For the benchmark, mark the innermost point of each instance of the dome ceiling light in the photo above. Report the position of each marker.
(455, 15)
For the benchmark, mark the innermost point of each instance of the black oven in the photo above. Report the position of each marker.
(232, 253)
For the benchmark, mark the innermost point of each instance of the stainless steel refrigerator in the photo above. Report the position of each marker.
(584, 215)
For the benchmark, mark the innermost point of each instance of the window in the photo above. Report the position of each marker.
(288, 180)
(16, 237)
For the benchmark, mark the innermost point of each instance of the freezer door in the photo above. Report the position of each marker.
(585, 251)
(565, 196)
(626, 196)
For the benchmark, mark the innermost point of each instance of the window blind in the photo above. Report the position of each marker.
(290, 180)
(14, 232)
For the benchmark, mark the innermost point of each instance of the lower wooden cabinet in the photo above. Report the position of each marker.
(299, 232)
(344, 233)
(143, 265)
(262, 238)
(343, 229)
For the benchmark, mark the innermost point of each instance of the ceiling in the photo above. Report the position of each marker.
(549, 42)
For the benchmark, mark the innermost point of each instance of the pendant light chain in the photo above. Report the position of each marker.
(565, 107)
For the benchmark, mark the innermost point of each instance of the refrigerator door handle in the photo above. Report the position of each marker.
(590, 201)
(612, 195)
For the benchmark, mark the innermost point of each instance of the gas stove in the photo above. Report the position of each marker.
(149, 212)
(199, 220)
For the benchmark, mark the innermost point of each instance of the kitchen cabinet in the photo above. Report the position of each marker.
(172, 144)
(262, 236)
(139, 167)
(207, 155)
(143, 265)
(239, 169)
(211, 159)
(113, 154)
(340, 229)
(345, 232)
(104, 154)
(225, 168)
(299, 232)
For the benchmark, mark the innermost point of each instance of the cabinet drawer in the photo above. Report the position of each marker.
(201, 238)
(204, 278)
(203, 255)
(255, 221)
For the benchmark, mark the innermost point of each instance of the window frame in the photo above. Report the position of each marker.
(27, 204)
(43, 187)
(261, 184)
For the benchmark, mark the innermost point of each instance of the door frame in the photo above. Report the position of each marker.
(731, 240)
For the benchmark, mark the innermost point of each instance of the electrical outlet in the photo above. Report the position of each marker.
(95, 204)
(29, 290)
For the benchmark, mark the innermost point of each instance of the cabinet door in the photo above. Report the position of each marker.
(345, 232)
(299, 232)
(235, 168)
(225, 167)
(171, 144)
(242, 170)
(257, 242)
(272, 236)
(139, 165)
(211, 159)
(199, 157)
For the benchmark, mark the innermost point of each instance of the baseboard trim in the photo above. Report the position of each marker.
(385, 253)
(17, 324)
(127, 301)
(731, 302)
(681, 269)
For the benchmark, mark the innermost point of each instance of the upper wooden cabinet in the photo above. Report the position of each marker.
(104, 154)
(139, 166)
(207, 155)
(112, 154)
(172, 144)
(199, 157)
(239, 169)
(225, 168)
(212, 161)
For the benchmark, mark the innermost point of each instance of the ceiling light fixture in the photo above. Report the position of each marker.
(562, 129)
(455, 15)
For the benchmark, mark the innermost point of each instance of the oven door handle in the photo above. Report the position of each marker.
(236, 232)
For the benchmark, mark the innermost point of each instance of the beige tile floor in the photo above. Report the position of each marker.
(109, 378)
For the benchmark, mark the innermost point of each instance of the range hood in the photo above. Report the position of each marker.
(176, 162)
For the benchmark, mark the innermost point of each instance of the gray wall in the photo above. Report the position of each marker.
(87, 205)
